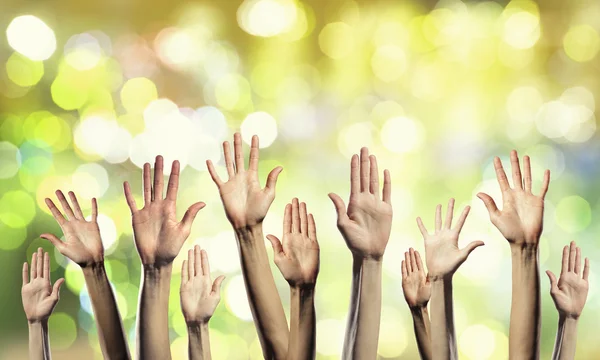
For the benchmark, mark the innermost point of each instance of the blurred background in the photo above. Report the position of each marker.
(89, 91)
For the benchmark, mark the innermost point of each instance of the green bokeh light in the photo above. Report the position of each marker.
(63, 329)
(17, 209)
(573, 214)
(24, 71)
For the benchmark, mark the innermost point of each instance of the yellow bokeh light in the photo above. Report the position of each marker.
(389, 63)
(266, 18)
(74, 278)
(83, 52)
(64, 330)
(392, 335)
(581, 43)
(337, 40)
(23, 71)
(67, 93)
(261, 124)
(31, 37)
(330, 336)
(232, 92)
(137, 93)
(17, 209)
(402, 135)
(12, 238)
(477, 342)
(11, 160)
(573, 214)
(522, 30)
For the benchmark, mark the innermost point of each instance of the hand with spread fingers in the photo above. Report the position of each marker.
(82, 242)
(245, 202)
(569, 294)
(158, 234)
(442, 254)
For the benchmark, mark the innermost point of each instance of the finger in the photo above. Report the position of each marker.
(586, 269)
(253, 164)
(578, 260)
(56, 288)
(25, 274)
(58, 216)
(438, 218)
(340, 207)
(553, 281)
(354, 175)
(159, 179)
(449, 214)
(404, 270)
(545, 184)
(295, 216)
(213, 173)
(272, 178)
(303, 219)
(205, 264)
(216, 288)
(184, 272)
(413, 260)
(54, 240)
(312, 228)
(228, 159)
(191, 263)
(238, 152)
(287, 219)
(470, 247)
(387, 187)
(501, 175)
(34, 266)
(527, 174)
(46, 267)
(76, 208)
(489, 203)
(173, 185)
(94, 210)
(463, 217)
(198, 261)
(190, 215)
(129, 198)
(276, 244)
(65, 205)
(565, 260)
(419, 261)
(365, 170)
(374, 183)
(40, 263)
(516, 170)
(422, 227)
(572, 256)
(147, 178)
(408, 263)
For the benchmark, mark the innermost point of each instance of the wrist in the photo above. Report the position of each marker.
(568, 317)
(418, 309)
(525, 246)
(153, 272)
(37, 323)
(248, 232)
(437, 278)
(304, 290)
(195, 326)
(367, 259)
(94, 269)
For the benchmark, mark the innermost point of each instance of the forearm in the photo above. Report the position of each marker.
(362, 332)
(39, 344)
(525, 313)
(153, 319)
(113, 341)
(265, 303)
(302, 324)
(566, 339)
(422, 328)
(443, 338)
(199, 343)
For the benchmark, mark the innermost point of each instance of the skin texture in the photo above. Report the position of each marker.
(199, 299)
(365, 226)
(569, 293)
(39, 300)
(158, 238)
(246, 205)
(417, 292)
(521, 223)
(297, 257)
(83, 245)
(443, 258)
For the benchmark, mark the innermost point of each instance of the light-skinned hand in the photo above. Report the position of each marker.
(199, 294)
(367, 223)
(245, 202)
(38, 295)
(415, 284)
(570, 291)
(442, 254)
(158, 234)
(82, 244)
(521, 219)
(297, 256)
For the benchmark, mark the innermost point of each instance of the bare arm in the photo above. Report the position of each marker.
(521, 222)
(246, 205)
(365, 226)
(83, 245)
(158, 238)
(569, 294)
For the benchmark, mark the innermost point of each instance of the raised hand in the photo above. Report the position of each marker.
(367, 223)
(158, 233)
(297, 256)
(199, 294)
(245, 202)
(415, 284)
(442, 254)
(38, 295)
(521, 217)
(82, 242)
(570, 291)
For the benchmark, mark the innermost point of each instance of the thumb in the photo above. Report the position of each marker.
(489, 203)
(54, 240)
(276, 244)
(272, 178)
(552, 278)
(56, 288)
(216, 288)
(190, 215)
(340, 206)
(466, 251)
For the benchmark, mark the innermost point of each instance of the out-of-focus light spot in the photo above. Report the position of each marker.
(179, 347)
(546, 157)
(359, 133)
(558, 120)
(218, 248)
(523, 103)
(159, 111)
(330, 337)
(261, 124)
(236, 298)
(31, 37)
(522, 30)
(501, 341)
(23, 71)
(118, 152)
(392, 336)
(96, 135)
(12, 238)
(137, 93)
(85, 302)
(211, 122)
(74, 278)
(389, 63)
(67, 93)
(581, 43)
(232, 92)
(402, 135)
(135, 56)
(515, 58)
(220, 59)
(299, 121)
(303, 25)
(391, 33)
(446, 25)
(82, 51)
(108, 231)
(573, 214)
(266, 18)
(17, 209)
(175, 47)
(48, 131)
(579, 95)
(64, 330)
(11, 160)
(337, 40)
(90, 180)
(477, 342)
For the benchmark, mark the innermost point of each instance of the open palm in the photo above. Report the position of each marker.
(38, 295)
(415, 285)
